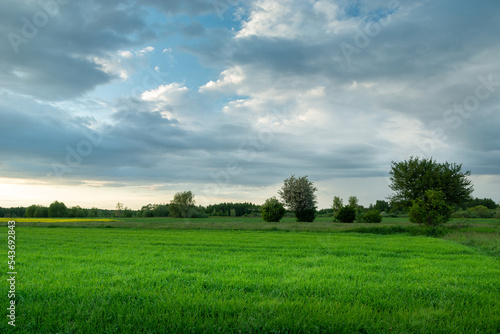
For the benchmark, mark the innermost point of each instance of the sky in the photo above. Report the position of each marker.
(132, 101)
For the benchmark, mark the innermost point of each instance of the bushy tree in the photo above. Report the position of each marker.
(353, 201)
(182, 205)
(147, 214)
(382, 206)
(306, 215)
(240, 209)
(41, 212)
(30, 211)
(272, 210)
(482, 211)
(371, 216)
(411, 179)
(93, 213)
(160, 210)
(337, 203)
(347, 214)
(57, 209)
(431, 210)
(298, 196)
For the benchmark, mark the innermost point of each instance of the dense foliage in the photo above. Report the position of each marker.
(183, 205)
(58, 209)
(232, 209)
(13, 212)
(371, 216)
(298, 195)
(411, 179)
(432, 210)
(487, 202)
(347, 214)
(154, 210)
(272, 210)
(381, 206)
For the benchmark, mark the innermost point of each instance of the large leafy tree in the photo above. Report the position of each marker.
(411, 179)
(182, 205)
(58, 209)
(298, 196)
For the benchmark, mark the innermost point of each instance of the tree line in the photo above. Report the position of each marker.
(428, 191)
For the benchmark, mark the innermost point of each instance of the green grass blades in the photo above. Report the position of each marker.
(200, 281)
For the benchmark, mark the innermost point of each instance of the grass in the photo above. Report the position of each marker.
(89, 280)
(483, 234)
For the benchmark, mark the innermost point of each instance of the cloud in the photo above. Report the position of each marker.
(56, 53)
(228, 78)
(331, 89)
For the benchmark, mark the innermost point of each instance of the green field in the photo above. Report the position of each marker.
(163, 279)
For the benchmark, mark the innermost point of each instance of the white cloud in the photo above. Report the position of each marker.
(295, 19)
(171, 94)
(123, 63)
(228, 79)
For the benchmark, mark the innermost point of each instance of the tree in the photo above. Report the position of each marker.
(353, 201)
(41, 212)
(431, 210)
(94, 212)
(77, 212)
(487, 202)
(119, 209)
(411, 179)
(482, 211)
(30, 211)
(298, 196)
(160, 210)
(337, 204)
(272, 210)
(182, 205)
(346, 215)
(57, 210)
(382, 206)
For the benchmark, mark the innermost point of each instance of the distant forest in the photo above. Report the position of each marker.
(58, 209)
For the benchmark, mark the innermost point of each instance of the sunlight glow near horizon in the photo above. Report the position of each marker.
(19, 192)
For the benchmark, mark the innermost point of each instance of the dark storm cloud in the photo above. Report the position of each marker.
(47, 52)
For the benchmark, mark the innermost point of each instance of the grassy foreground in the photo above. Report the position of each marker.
(88, 280)
(483, 234)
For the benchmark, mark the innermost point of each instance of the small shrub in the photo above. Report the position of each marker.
(371, 216)
(346, 214)
(272, 210)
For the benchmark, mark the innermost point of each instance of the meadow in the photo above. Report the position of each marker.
(208, 280)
